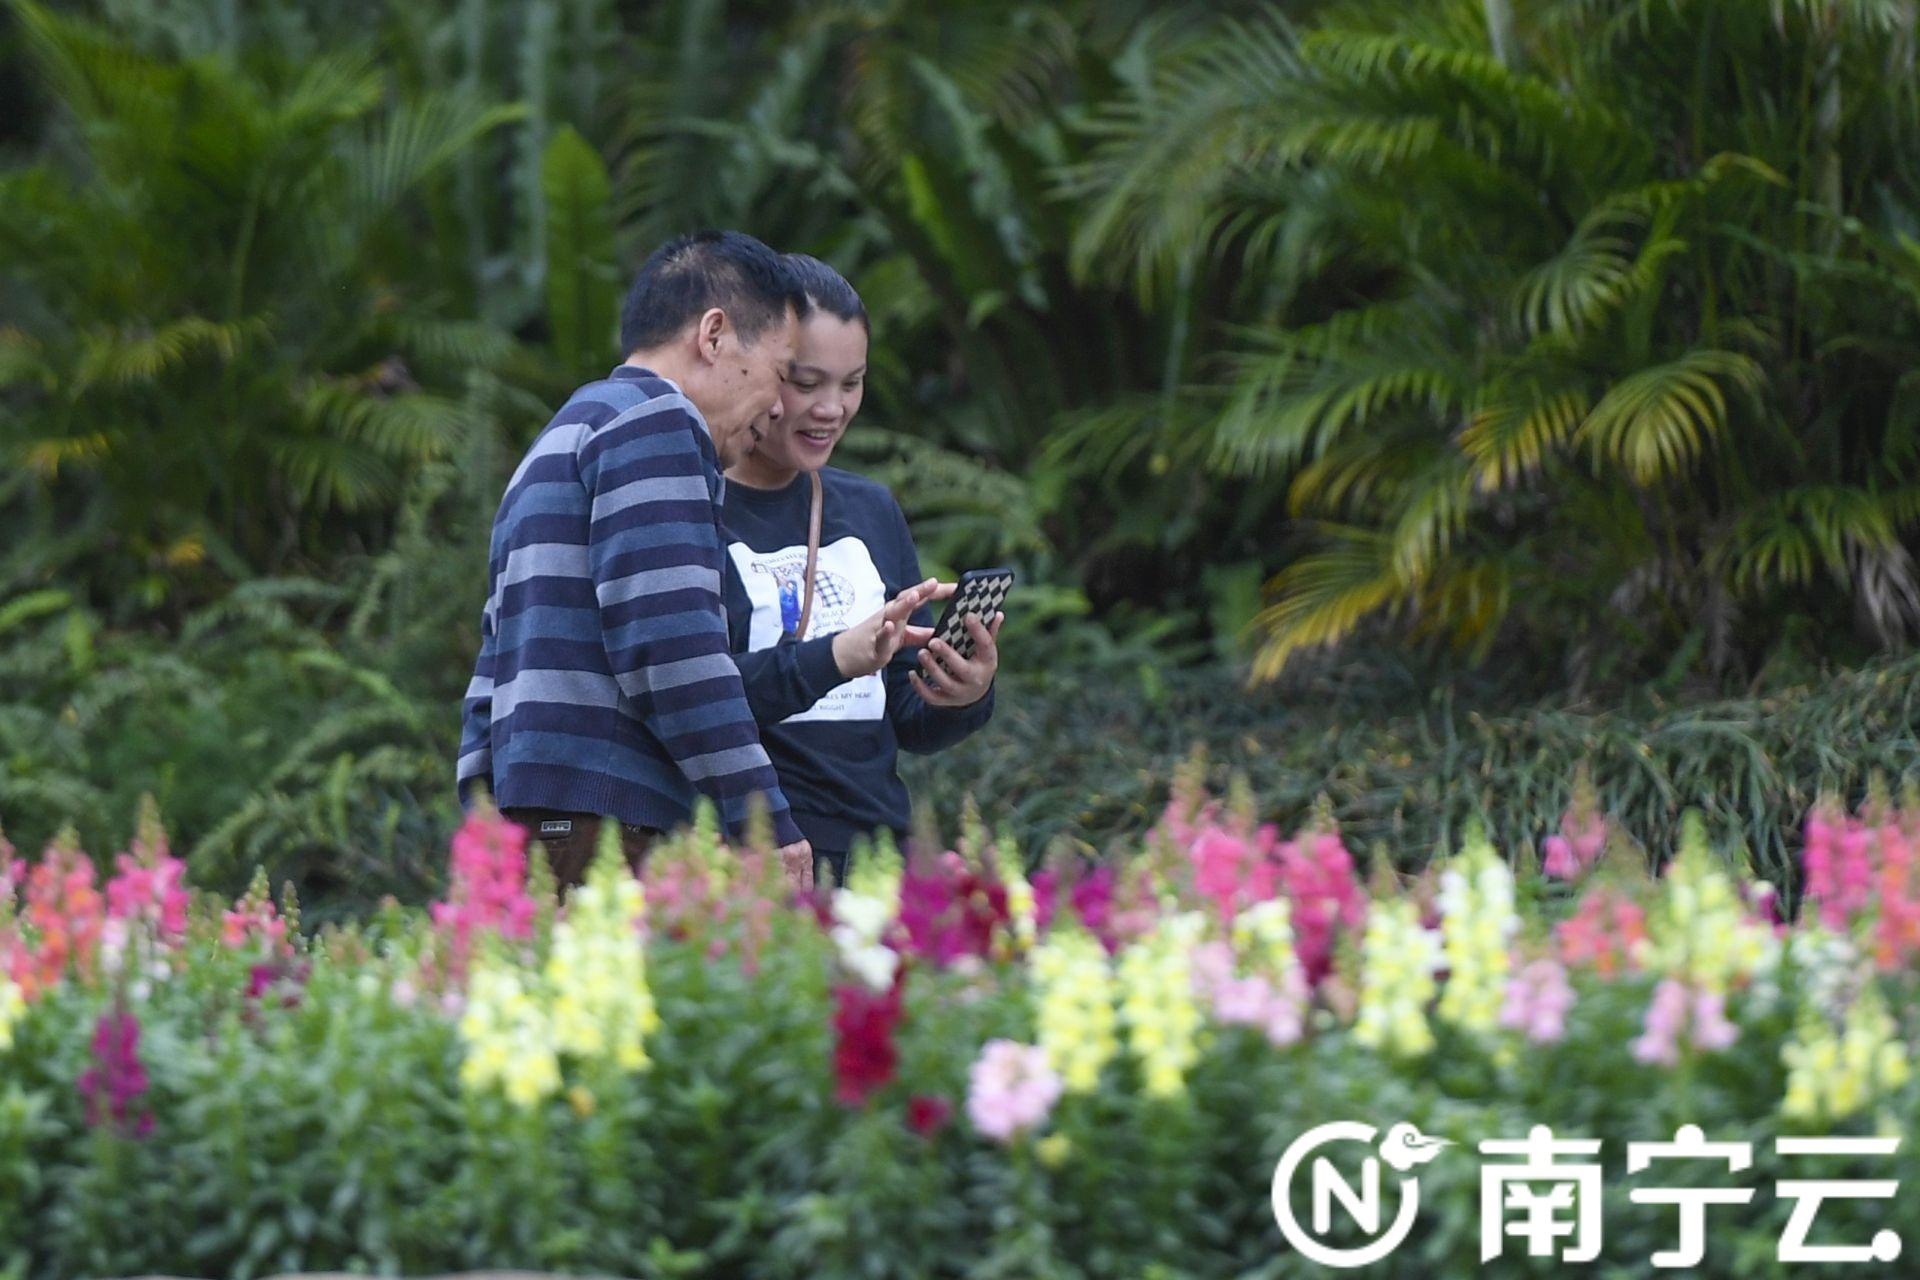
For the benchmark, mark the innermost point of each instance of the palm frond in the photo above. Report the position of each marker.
(124, 356)
(1296, 394)
(395, 156)
(1655, 422)
(1324, 596)
(409, 426)
(1512, 434)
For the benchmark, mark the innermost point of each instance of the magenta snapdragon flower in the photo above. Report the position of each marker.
(113, 1086)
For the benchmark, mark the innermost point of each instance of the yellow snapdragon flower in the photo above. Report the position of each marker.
(1158, 1005)
(1398, 957)
(1020, 906)
(509, 1037)
(602, 1006)
(1702, 931)
(1073, 990)
(13, 1003)
(1833, 1076)
(1263, 939)
(1478, 922)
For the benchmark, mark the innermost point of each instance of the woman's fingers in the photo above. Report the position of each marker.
(986, 653)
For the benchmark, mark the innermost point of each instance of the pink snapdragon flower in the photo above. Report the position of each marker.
(1678, 1014)
(488, 888)
(486, 893)
(1317, 873)
(1011, 1089)
(1538, 999)
(1232, 870)
(65, 918)
(1839, 867)
(1277, 1009)
(254, 921)
(148, 887)
(1603, 934)
(1576, 846)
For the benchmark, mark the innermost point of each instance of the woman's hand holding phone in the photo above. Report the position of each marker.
(945, 679)
(868, 645)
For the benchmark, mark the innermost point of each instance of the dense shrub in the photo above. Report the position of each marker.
(1406, 762)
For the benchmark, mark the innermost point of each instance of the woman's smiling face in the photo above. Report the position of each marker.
(822, 393)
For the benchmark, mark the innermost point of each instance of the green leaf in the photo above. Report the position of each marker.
(582, 282)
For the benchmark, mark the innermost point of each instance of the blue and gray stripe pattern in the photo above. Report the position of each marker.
(604, 683)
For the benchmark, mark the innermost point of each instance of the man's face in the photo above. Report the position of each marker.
(748, 378)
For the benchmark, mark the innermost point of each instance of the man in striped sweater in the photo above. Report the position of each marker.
(604, 686)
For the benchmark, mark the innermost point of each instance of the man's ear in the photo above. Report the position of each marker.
(712, 328)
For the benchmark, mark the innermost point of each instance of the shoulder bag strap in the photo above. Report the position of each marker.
(813, 553)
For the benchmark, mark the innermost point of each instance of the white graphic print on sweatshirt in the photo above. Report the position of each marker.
(846, 588)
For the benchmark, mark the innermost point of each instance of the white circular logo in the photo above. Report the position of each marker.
(1402, 1149)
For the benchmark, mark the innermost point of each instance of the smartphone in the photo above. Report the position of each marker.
(980, 592)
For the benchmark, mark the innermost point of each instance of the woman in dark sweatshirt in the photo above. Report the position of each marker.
(838, 704)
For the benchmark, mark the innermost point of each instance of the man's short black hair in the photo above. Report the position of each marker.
(827, 290)
(686, 276)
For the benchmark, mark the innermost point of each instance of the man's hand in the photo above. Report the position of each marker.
(945, 679)
(797, 861)
(869, 645)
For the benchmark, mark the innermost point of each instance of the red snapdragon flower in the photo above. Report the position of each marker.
(865, 1057)
(927, 1114)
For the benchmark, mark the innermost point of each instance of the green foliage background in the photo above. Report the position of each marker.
(1553, 360)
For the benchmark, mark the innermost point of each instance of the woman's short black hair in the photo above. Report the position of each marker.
(827, 289)
(686, 276)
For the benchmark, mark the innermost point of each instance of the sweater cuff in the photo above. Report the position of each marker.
(785, 831)
(978, 713)
(815, 665)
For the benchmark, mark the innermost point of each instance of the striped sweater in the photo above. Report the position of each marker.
(604, 683)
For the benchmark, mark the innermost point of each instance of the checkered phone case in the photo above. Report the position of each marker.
(982, 592)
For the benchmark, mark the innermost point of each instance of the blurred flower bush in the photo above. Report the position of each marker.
(944, 1068)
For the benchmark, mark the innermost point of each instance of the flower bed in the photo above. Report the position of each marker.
(943, 1069)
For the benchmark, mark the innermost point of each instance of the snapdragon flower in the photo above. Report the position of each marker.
(1478, 922)
(860, 923)
(1704, 931)
(1538, 1000)
(13, 1003)
(509, 1036)
(1158, 1005)
(1073, 989)
(1831, 1076)
(602, 1006)
(1398, 959)
(1010, 1089)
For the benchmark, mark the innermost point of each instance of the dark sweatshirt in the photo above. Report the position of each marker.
(834, 742)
